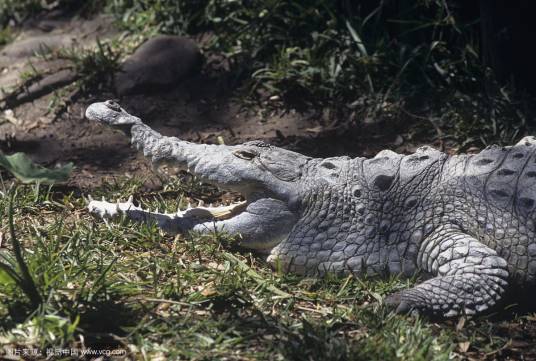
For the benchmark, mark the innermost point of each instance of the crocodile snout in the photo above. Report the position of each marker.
(111, 113)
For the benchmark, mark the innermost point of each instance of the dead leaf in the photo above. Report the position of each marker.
(316, 130)
(87, 173)
(163, 309)
(45, 120)
(31, 126)
(216, 266)
(464, 346)
(9, 115)
(208, 290)
(461, 323)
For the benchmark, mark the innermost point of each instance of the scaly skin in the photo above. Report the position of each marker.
(467, 220)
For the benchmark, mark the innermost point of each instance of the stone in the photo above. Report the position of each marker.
(44, 86)
(36, 44)
(158, 64)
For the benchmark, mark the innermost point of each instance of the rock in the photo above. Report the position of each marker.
(158, 64)
(44, 86)
(35, 44)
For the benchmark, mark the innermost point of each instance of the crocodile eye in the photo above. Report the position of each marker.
(245, 154)
(113, 105)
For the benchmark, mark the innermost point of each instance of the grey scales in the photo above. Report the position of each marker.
(466, 220)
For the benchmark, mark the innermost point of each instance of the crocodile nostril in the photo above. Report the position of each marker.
(113, 105)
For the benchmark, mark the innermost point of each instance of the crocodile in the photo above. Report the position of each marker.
(467, 221)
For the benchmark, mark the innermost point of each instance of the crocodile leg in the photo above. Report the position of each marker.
(261, 225)
(469, 277)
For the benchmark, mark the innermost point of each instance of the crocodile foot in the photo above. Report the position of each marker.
(397, 303)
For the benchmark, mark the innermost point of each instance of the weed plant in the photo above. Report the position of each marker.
(361, 61)
(130, 287)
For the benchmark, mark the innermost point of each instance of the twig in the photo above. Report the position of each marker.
(162, 300)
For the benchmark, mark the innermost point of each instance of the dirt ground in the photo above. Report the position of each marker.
(203, 108)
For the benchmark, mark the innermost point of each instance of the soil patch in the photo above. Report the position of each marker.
(201, 108)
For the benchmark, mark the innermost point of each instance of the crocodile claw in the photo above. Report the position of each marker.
(396, 302)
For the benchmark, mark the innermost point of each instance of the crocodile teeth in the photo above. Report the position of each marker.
(109, 210)
(219, 213)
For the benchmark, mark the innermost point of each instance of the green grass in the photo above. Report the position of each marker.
(130, 287)
(16, 11)
(125, 286)
(94, 67)
(351, 61)
(403, 62)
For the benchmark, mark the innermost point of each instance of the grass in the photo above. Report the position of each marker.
(16, 11)
(416, 63)
(354, 61)
(131, 288)
(94, 68)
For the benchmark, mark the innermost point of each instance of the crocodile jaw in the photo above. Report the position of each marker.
(108, 210)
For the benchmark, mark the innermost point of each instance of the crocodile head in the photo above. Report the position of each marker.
(111, 113)
(254, 169)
